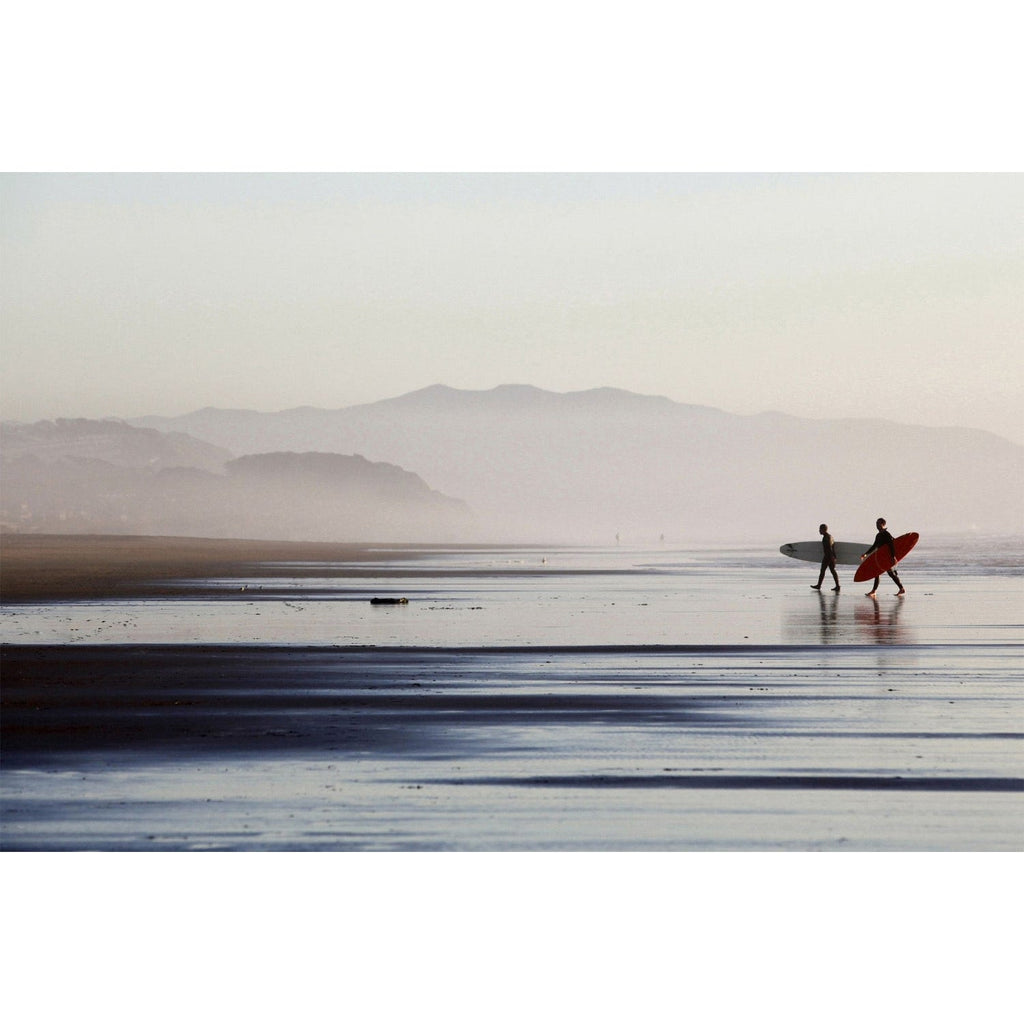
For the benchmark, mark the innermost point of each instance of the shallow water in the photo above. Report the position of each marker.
(540, 700)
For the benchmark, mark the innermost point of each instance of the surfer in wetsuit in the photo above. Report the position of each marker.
(884, 537)
(828, 558)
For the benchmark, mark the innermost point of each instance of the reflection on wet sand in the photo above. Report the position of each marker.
(828, 607)
(838, 619)
(880, 624)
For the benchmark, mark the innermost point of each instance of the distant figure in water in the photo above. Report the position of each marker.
(884, 537)
(828, 558)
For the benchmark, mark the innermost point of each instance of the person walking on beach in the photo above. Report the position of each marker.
(884, 537)
(828, 558)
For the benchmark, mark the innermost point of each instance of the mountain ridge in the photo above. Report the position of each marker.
(594, 465)
(159, 421)
(590, 465)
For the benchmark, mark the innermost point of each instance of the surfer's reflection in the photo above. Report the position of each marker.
(838, 621)
(881, 623)
(828, 606)
(801, 623)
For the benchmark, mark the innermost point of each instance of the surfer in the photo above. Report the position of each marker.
(884, 537)
(828, 558)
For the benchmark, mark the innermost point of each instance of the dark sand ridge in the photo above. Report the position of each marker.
(165, 700)
(68, 567)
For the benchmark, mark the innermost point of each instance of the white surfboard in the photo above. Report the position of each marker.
(847, 553)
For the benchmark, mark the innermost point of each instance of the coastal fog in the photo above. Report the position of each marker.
(512, 464)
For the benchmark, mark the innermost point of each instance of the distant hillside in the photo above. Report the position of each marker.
(112, 441)
(325, 496)
(54, 480)
(587, 465)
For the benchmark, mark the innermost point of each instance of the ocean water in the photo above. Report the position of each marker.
(529, 699)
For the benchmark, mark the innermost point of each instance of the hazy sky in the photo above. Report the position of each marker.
(892, 295)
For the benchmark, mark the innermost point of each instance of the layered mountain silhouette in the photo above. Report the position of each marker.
(588, 465)
(86, 476)
(514, 463)
(67, 441)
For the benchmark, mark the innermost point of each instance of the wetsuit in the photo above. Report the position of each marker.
(885, 537)
(828, 559)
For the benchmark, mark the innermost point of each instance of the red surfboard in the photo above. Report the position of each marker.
(880, 560)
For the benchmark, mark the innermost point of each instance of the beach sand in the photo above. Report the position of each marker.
(45, 567)
(842, 731)
(253, 748)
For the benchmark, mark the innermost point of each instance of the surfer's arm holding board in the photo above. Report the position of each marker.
(883, 537)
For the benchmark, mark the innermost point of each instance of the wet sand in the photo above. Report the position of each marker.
(827, 724)
(747, 748)
(38, 567)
